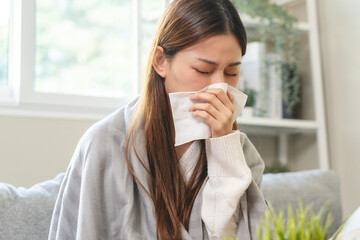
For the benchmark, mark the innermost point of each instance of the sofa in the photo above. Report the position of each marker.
(26, 213)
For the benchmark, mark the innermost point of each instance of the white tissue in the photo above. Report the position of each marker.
(188, 127)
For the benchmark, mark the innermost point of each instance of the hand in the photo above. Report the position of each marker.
(216, 108)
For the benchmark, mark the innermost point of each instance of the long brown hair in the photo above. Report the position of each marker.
(184, 23)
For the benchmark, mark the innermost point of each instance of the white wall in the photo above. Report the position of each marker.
(36, 149)
(340, 45)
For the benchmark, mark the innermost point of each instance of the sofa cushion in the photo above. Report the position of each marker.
(26, 213)
(314, 187)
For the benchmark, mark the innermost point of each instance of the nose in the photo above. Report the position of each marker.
(218, 77)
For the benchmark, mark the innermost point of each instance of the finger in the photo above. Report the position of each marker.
(230, 97)
(208, 98)
(221, 95)
(224, 113)
(209, 120)
(217, 97)
(207, 107)
(224, 116)
(218, 128)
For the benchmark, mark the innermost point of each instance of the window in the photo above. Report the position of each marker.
(85, 47)
(74, 56)
(150, 13)
(5, 11)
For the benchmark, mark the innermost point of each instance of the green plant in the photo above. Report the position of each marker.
(251, 93)
(290, 88)
(276, 167)
(303, 224)
(277, 28)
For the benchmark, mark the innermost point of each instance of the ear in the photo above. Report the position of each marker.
(160, 62)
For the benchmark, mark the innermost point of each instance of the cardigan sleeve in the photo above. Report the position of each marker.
(253, 159)
(229, 177)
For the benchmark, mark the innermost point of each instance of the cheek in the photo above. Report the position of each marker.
(196, 82)
(189, 80)
(233, 82)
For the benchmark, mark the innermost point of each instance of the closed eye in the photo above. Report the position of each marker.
(201, 71)
(231, 75)
(227, 74)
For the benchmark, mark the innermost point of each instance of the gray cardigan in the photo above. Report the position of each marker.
(99, 198)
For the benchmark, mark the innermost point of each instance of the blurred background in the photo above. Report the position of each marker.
(65, 64)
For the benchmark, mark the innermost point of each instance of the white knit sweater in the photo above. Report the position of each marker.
(229, 177)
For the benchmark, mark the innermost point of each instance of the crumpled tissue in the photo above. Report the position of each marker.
(188, 127)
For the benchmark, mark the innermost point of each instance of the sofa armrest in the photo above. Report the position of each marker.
(314, 187)
(26, 213)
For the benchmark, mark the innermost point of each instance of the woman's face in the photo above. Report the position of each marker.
(214, 60)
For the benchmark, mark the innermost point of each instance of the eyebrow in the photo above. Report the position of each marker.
(214, 63)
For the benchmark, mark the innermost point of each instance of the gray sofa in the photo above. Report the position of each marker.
(26, 213)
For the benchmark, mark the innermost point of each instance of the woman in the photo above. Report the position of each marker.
(127, 180)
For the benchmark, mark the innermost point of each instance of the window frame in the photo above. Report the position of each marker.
(6, 93)
(20, 98)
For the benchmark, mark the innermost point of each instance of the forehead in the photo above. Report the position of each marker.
(224, 46)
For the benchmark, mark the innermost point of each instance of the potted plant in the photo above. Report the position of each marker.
(290, 89)
(276, 167)
(277, 29)
(303, 224)
(248, 110)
